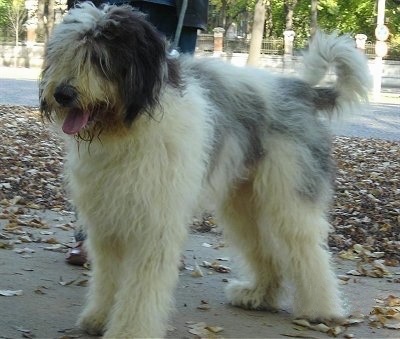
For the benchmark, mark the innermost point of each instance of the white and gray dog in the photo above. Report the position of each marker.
(150, 138)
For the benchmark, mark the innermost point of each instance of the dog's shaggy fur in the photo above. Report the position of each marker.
(150, 138)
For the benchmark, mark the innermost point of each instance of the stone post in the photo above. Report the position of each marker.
(31, 34)
(218, 41)
(361, 39)
(288, 41)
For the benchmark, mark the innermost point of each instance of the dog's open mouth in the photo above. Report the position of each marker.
(75, 121)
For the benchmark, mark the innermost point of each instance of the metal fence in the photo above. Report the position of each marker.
(269, 46)
(393, 51)
(205, 43)
(272, 46)
(370, 49)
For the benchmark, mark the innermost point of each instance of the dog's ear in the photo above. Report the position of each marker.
(137, 58)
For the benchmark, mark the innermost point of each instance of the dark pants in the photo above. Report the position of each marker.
(165, 19)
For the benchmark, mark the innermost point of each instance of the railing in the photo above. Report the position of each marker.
(205, 43)
(370, 49)
(393, 51)
(272, 46)
(269, 46)
(236, 45)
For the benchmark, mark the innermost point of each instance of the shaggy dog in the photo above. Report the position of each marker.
(151, 137)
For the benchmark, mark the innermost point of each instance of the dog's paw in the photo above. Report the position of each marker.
(333, 317)
(92, 323)
(320, 308)
(246, 295)
(130, 332)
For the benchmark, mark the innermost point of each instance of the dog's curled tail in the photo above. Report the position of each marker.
(353, 79)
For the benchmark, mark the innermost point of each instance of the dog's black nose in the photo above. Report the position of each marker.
(65, 95)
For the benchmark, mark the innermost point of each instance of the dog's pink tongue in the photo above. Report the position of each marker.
(75, 121)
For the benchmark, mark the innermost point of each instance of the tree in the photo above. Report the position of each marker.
(269, 23)
(225, 12)
(4, 5)
(257, 32)
(17, 15)
(314, 17)
(45, 16)
(289, 6)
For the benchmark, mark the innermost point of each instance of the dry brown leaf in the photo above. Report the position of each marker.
(392, 301)
(51, 241)
(6, 245)
(197, 272)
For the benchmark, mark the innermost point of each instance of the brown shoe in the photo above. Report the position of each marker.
(77, 255)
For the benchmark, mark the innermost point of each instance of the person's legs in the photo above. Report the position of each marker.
(163, 17)
(187, 42)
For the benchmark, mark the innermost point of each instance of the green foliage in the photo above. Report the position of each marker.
(350, 16)
(223, 13)
(17, 15)
(393, 21)
(12, 17)
(4, 7)
(344, 16)
(394, 50)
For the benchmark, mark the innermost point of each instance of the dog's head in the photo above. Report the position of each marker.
(102, 68)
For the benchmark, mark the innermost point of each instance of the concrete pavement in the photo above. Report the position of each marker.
(19, 86)
(53, 293)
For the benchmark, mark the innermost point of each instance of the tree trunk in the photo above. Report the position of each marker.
(257, 33)
(16, 49)
(268, 19)
(46, 16)
(41, 14)
(289, 6)
(17, 32)
(50, 18)
(223, 14)
(314, 17)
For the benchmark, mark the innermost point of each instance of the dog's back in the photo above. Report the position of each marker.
(250, 107)
(326, 54)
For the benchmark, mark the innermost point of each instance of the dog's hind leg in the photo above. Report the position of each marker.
(262, 287)
(294, 193)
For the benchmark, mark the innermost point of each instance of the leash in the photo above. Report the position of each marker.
(179, 26)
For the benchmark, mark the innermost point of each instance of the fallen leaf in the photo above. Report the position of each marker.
(66, 283)
(197, 272)
(55, 248)
(214, 329)
(24, 250)
(10, 293)
(6, 245)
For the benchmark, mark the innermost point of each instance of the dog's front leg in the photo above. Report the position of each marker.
(148, 277)
(105, 254)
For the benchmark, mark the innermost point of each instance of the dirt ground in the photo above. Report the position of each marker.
(50, 293)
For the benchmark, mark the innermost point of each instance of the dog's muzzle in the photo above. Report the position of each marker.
(65, 95)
